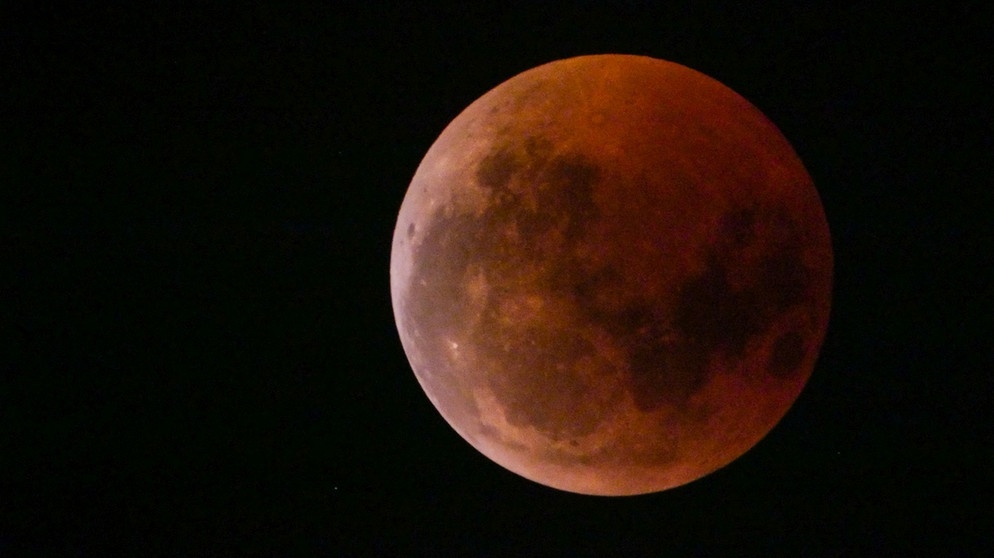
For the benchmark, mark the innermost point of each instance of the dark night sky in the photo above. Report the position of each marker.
(199, 349)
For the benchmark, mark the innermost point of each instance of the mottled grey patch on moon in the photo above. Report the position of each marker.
(540, 385)
(496, 169)
(668, 348)
(712, 316)
(558, 188)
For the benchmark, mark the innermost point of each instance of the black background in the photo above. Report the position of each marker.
(199, 350)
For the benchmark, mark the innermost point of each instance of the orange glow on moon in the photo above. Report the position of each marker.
(611, 275)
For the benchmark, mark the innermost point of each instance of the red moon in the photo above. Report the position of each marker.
(611, 275)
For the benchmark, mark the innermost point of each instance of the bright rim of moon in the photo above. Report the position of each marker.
(611, 275)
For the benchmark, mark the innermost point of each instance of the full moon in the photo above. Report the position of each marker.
(611, 275)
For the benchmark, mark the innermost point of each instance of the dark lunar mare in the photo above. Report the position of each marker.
(668, 348)
(454, 245)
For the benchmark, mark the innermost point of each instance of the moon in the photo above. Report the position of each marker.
(611, 275)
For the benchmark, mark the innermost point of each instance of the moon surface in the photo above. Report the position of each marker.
(611, 275)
